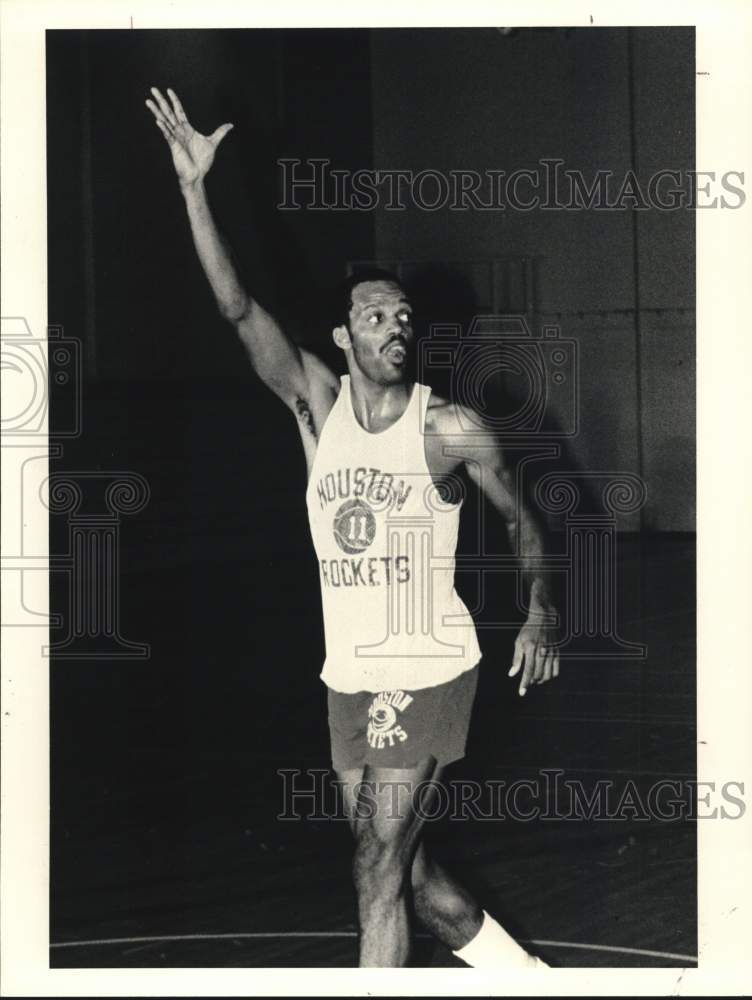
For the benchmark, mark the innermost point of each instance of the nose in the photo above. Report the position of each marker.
(398, 335)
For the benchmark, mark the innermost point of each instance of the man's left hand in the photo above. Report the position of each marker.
(535, 651)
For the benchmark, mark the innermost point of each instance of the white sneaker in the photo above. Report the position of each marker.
(537, 963)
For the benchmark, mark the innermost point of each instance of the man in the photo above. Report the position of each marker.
(401, 667)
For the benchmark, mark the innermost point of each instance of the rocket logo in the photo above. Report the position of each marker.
(383, 728)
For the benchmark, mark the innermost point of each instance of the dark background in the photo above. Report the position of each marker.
(217, 572)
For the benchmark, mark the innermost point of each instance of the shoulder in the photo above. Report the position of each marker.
(459, 430)
(318, 372)
(450, 419)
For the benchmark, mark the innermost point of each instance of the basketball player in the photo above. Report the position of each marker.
(401, 649)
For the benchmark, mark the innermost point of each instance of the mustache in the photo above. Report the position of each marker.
(396, 339)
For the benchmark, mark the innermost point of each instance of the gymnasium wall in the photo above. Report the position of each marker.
(167, 389)
(479, 100)
(124, 276)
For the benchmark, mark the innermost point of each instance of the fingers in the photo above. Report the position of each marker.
(161, 122)
(537, 659)
(164, 107)
(177, 106)
(543, 665)
(164, 130)
(541, 655)
(160, 118)
(550, 666)
(520, 660)
(548, 670)
(218, 134)
(517, 660)
(528, 674)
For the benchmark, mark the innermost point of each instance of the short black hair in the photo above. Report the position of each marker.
(342, 303)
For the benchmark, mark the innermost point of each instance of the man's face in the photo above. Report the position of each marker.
(381, 331)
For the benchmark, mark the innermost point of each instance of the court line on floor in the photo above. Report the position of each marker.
(613, 948)
(637, 720)
(350, 934)
(636, 772)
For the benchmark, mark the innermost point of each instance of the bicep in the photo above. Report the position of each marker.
(479, 449)
(291, 372)
(302, 381)
(274, 356)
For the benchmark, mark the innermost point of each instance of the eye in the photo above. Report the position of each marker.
(377, 317)
(406, 317)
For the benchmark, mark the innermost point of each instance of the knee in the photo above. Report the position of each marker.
(435, 892)
(420, 873)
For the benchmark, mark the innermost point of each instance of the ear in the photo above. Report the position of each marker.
(341, 337)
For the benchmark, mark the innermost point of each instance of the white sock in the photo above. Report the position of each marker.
(493, 948)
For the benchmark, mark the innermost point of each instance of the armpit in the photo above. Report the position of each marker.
(305, 416)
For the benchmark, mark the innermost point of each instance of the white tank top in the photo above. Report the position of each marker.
(385, 542)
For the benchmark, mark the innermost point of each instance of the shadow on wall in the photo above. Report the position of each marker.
(500, 389)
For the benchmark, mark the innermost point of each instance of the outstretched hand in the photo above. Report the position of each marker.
(192, 152)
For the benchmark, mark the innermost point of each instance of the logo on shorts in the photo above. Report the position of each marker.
(383, 728)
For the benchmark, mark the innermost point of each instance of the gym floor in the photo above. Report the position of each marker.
(166, 849)
(166, 846)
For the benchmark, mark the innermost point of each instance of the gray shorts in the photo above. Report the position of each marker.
(400, 728)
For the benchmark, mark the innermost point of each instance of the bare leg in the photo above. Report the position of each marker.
(349, 781)
(441, 903)
(386, 842)
(384, 852)
(444, 906)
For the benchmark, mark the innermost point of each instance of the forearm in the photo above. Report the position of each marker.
(274, 356)
(232, 299)
(528, 542)
(526, 534)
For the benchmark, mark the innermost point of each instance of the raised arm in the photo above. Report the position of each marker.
(293, 374)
